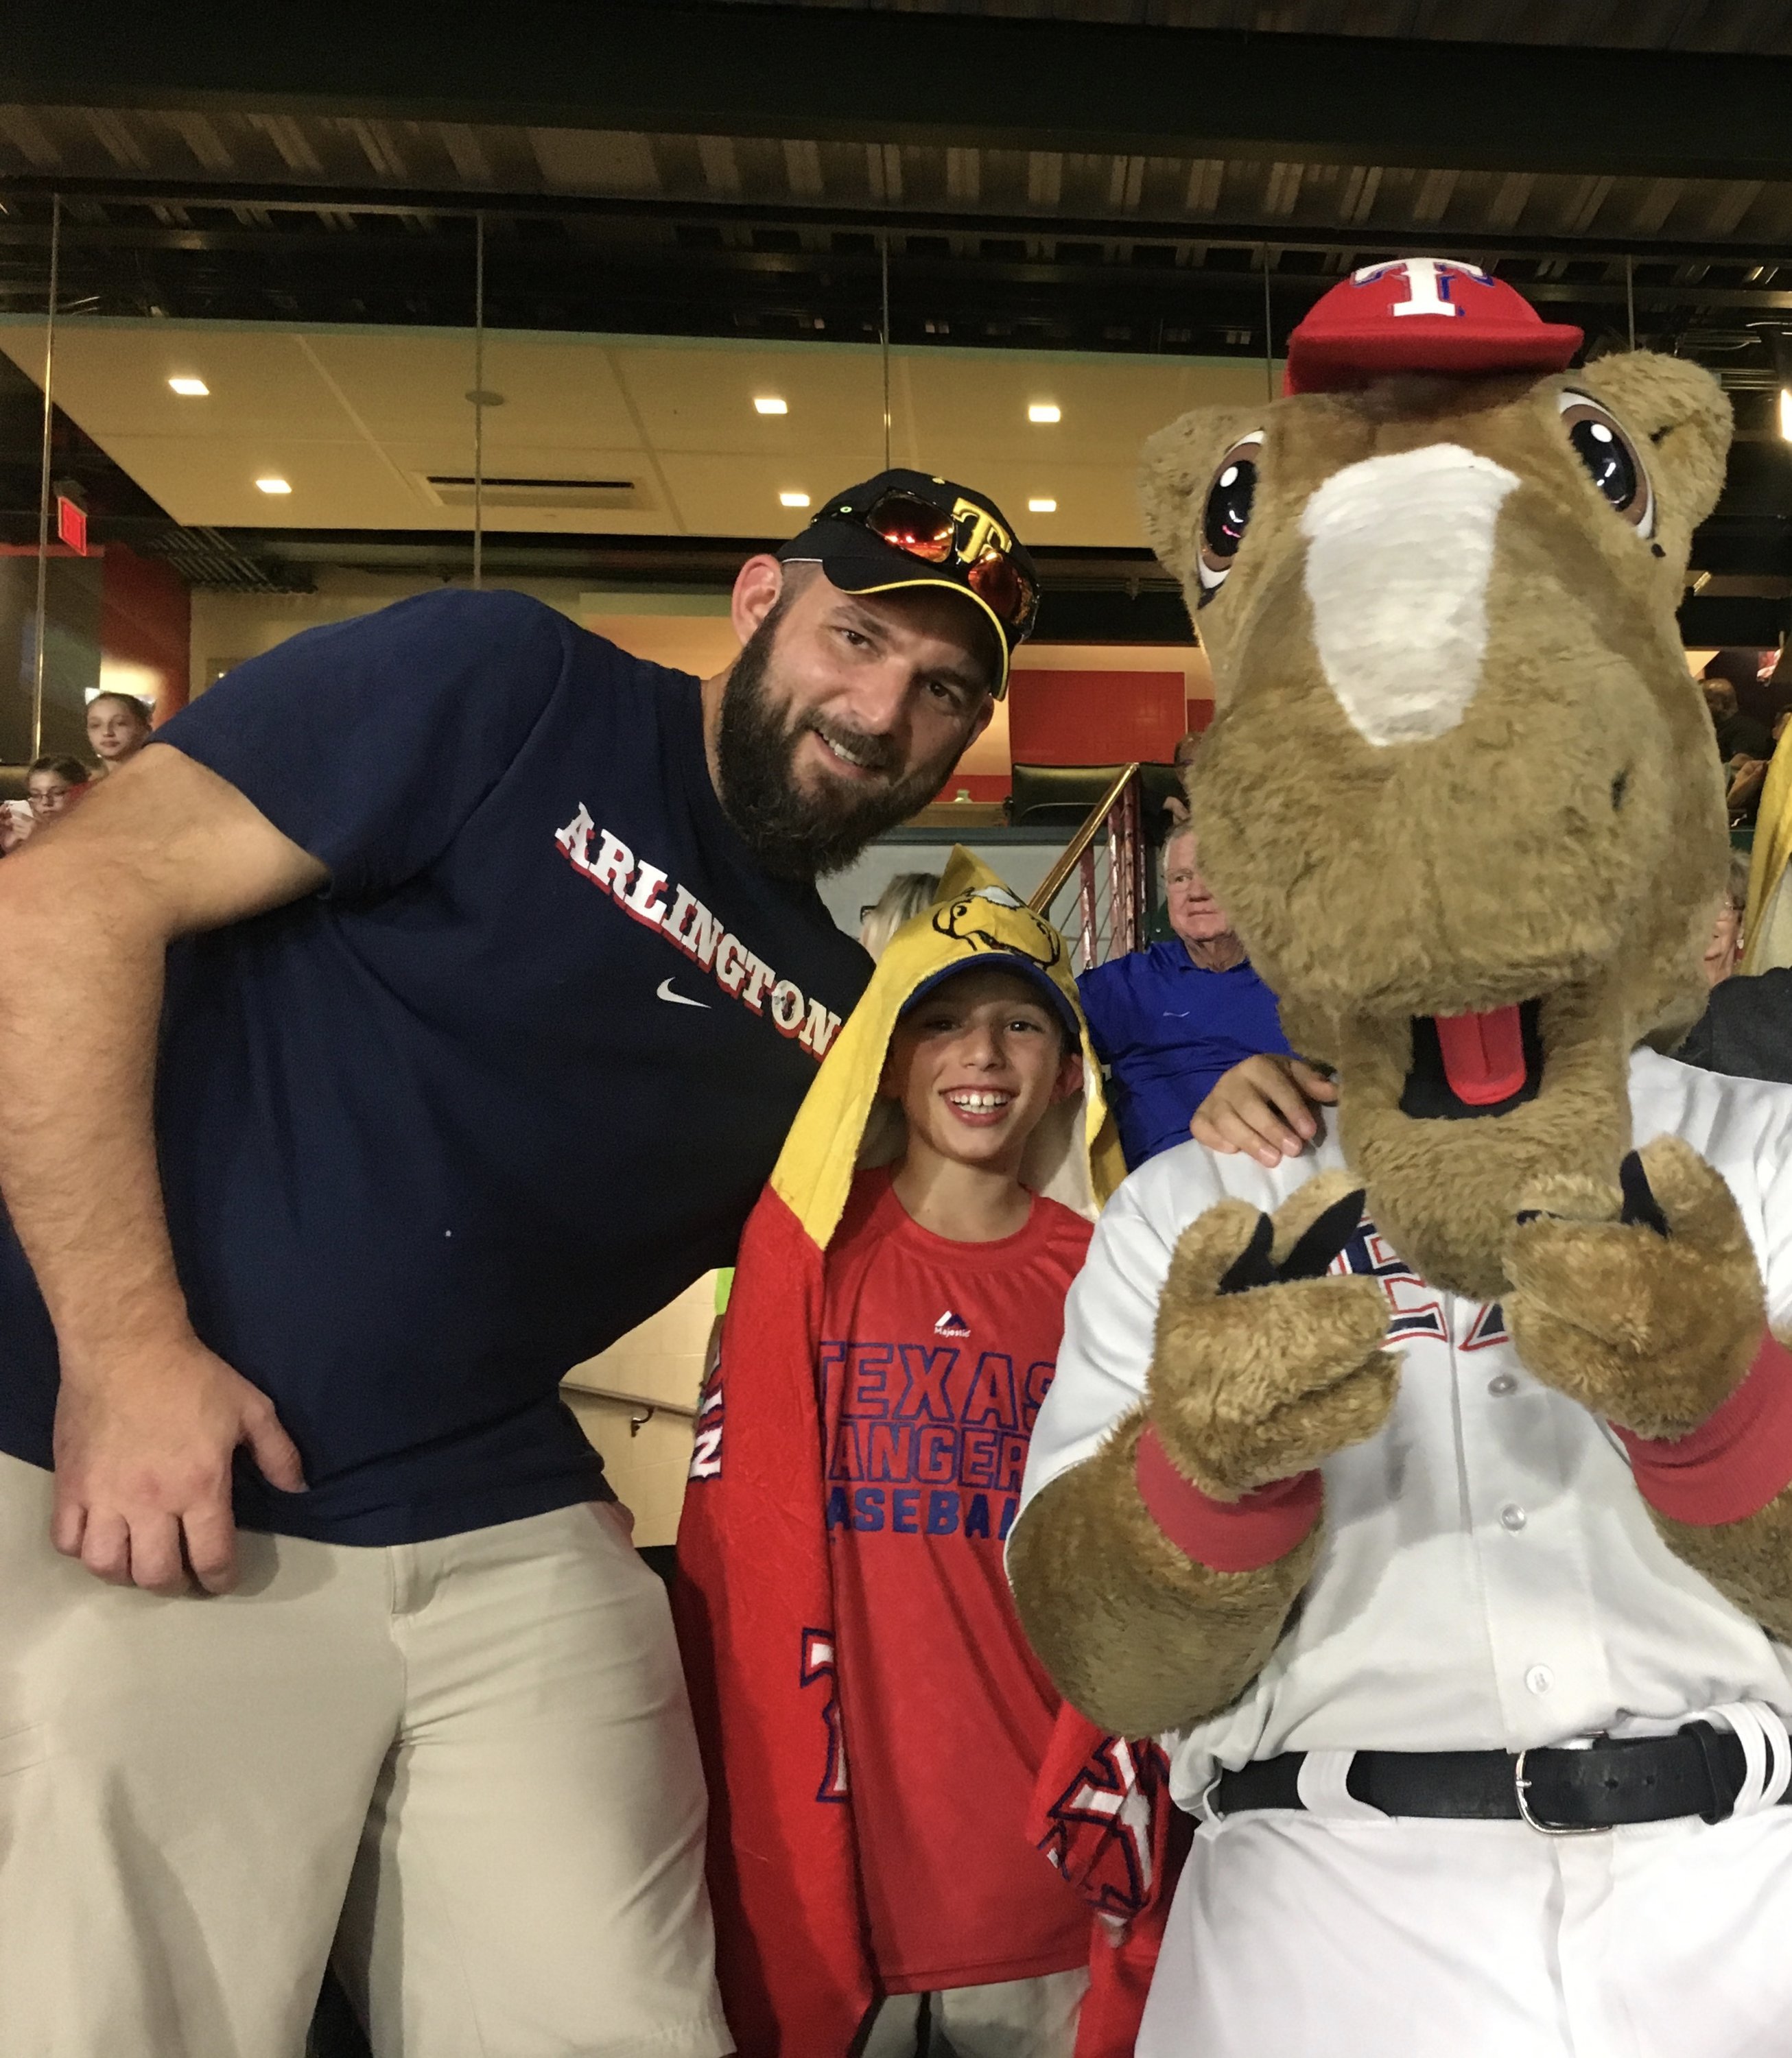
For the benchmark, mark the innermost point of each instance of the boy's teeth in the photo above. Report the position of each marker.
(980, 1100)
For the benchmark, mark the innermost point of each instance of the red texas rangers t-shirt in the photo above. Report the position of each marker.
(934, 1358)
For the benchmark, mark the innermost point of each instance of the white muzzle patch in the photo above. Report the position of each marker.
(1399, 552)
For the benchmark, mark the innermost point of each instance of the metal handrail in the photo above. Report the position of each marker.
(1071, 854)
(624, 1399)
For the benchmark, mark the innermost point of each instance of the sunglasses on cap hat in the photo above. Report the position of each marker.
(961, 539)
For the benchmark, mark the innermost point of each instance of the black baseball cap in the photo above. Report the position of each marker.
(909, 529)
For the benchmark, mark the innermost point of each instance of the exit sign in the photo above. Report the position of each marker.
(71, 524)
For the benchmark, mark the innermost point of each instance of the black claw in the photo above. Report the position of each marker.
(1642, 1209)
(1253, 1267)
(1318, 1244)
(1323, 1238)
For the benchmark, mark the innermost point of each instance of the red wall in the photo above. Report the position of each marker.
(146, 619)
(1095, 717)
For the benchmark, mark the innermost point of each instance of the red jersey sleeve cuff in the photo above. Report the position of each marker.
(1737, 1460)
(1237, 1536)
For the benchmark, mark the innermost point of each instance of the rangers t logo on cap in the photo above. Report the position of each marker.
(1437, 315)
(1427, 281)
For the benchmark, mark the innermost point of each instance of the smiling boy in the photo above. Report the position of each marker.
(947, 1260)
(933, 1311)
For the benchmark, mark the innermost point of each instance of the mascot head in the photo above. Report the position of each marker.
(1459, 795)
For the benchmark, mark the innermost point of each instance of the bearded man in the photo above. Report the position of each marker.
(489, 972)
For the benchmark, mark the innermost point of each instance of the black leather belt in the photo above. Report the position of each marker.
(1612, 1782)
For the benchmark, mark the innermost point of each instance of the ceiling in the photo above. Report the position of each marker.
(1757, 27)
(1120, 175)
(358, 421)
(1144, 182)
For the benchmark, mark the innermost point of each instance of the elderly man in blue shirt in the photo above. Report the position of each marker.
(1168, 1019)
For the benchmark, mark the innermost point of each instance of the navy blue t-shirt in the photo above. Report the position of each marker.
(1167, 1030)
(508, 1085)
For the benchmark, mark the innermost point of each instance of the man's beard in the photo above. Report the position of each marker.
(794, 834)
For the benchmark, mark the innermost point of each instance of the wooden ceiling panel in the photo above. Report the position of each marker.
(357, 420)
(209, 482)
(420, 390)
(556, 388)
(700, 400)
(973, 400)
(732, 496)
(111, 376)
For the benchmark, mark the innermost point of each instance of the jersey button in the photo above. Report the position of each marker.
(1502, 1383)
(1540, 1679)
(1512, 1517)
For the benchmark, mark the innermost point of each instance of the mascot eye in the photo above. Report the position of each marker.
(1224, 518)
(1611, 459)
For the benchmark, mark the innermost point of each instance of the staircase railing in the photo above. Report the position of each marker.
(1094, 895)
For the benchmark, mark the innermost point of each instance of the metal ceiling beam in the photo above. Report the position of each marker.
(648, 66)
(385, 204)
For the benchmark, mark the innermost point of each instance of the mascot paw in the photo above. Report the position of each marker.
(1643, 1305)
(1264, 1363)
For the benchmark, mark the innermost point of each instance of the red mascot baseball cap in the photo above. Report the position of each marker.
(1421, 314)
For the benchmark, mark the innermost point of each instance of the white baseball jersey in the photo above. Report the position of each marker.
(1489, 1577)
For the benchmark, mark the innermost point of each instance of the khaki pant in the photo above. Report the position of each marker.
(1016, 2019)
(469, 1762)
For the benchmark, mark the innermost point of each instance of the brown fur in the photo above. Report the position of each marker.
(1562, 841)
(1652, 1333)
(1748, 1562)
(1135, 1634)
(1248, 1388)
(1244, 1387)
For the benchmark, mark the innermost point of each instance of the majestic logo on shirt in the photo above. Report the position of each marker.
(1415, 1308)
(1018, 931)
(689, 926)
(950, 1325)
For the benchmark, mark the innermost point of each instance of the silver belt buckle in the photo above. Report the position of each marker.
(1521, 1786)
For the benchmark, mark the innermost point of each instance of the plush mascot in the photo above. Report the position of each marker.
(1430, 1492)
(754, 1598)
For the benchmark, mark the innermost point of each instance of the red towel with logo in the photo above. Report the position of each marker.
(753, 1599)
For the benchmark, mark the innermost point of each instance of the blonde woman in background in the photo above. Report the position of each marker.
(900, 901)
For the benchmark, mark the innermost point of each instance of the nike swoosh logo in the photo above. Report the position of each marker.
(664, 990)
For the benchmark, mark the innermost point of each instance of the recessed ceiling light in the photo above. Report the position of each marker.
(272, 485)
(793, 500)
(1786, 413)
(1045, 411)
(1042, 507)
(768, 403)
(189, 389)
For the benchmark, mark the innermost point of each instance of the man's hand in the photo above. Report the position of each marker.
(1263, 1108)
(143, 1459)
(1748, 775)
(147, 1419)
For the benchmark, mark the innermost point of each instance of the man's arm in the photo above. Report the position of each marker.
(148, 1420)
